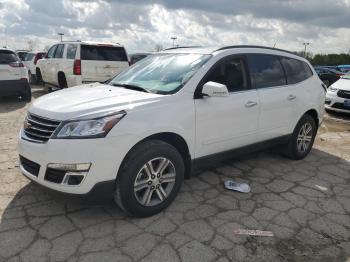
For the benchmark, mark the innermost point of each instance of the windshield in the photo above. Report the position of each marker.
(161, 73)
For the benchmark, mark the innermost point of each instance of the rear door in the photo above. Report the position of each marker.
(277, 99)
(55, 64)
(101, 62)
(8, 68)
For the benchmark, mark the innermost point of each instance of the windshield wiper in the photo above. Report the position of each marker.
(133, 87)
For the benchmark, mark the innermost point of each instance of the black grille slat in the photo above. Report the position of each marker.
(29, 166)
(54, 175)
(344, 94)
(340, 106)
(40, 129)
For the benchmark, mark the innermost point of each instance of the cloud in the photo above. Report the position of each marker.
(140, 25)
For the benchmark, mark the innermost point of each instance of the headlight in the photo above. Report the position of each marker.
(332, 89)
(89, 128)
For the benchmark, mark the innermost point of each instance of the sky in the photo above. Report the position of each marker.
(141, 25)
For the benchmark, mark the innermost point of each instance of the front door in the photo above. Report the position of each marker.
(224, 123)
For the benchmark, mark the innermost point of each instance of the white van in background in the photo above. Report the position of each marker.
(74, 63)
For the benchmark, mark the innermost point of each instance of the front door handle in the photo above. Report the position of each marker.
(251, 104)
(291, 97)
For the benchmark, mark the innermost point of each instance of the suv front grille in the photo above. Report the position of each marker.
(29, 166)
(344, 94)
(340, 106)
(39, 129)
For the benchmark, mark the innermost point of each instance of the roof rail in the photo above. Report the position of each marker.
(255, 46)
(178, 47)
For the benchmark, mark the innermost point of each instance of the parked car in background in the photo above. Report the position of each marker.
(21, 54)
(137, 57)
(338, 95)
(30, 62)
(344, 68)
(74, 63)
(328, 75)
(13, 76)
(136, 138)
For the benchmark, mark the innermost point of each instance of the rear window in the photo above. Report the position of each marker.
(296, 70)
(29, 57)
(7, 57)
(103, 53)
(267, 70)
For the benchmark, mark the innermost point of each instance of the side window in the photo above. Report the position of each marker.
(59, 51)
(297, 71)
(230, 72)
(51, 52)
(267, 70)
(71, 51)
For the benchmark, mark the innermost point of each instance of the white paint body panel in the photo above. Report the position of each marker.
(209, 125)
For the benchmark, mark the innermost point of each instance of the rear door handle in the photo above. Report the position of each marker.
(291, 97)
(251, 104)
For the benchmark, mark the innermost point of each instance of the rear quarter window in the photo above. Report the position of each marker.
(296, 70)
(7, 57)
(103, 53)
(267, 70)
(71, 51)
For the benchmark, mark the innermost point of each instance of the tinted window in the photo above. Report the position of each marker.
(29, 57)
(59, 51)
(136, 58)
(51, 52)
(22, 55)
(267, 70)
(7, 57)
(230, 72)
(297, 71)
(106, 53)
(71, 51)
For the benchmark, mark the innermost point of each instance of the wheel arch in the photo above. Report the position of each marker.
(176, 141)
(314, 114)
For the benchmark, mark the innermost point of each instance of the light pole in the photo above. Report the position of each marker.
(173, 38)
(61, 35)
(305, 45)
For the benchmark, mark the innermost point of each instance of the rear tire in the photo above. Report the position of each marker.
(27, 95)
(141, 191)
(32, 78)
(62, 82)
(302, 139)
(39, 78)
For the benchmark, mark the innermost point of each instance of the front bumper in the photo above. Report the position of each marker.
(335, 103)
(104, 154)
(13, 87)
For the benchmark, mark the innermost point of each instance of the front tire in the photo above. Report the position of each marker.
(149, 179)
(302, 139)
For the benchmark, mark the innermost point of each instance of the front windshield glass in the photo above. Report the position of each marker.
(161, 73)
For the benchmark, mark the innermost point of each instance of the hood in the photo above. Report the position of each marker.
(343, 84)
(88, 99)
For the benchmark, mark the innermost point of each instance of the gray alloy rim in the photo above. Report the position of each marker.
(155, 181)
(304, 138)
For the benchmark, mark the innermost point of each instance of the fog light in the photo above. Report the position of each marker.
(71, 167)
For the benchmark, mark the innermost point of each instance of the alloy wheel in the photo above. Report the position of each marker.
(155, 181)
(304, 138)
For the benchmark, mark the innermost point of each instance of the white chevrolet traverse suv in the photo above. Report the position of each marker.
(137, 137)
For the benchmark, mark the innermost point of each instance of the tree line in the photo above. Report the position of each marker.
(326, 59)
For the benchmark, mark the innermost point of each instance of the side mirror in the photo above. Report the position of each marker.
(214, 89)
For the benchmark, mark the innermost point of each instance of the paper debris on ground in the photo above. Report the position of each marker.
(240, 187)
(259, 233)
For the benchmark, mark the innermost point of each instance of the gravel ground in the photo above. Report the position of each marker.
(306, 204)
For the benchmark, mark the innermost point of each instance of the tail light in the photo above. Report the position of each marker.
(77, 67)
(37, 57)
(16, 64)
(339, 75)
